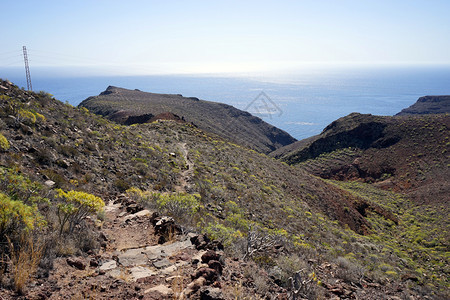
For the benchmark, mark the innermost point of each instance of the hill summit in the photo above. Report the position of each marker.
(428, 105)
(134, 106)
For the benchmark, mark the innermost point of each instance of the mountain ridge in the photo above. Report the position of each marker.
(224, 120)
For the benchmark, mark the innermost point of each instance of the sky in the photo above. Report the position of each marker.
(156, 37)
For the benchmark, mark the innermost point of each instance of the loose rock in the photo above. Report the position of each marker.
(76, 263)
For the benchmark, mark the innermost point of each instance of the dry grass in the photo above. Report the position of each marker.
(178, 284)
(24, 261)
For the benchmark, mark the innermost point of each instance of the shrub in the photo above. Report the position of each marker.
(4, 144)
(121, 185)
(289, 265)
(45, 94)
(75, 206)
(26, 116)
(18, 187)
(16, 216)
(40, 117)
(146, 198)
(179, 204)
(16, 220)
(226, 235)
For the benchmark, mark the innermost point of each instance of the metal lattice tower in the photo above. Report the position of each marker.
(27, 69)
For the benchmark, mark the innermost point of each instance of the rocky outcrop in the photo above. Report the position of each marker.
(428, 105)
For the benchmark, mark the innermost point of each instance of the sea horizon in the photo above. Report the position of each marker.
(303, 101)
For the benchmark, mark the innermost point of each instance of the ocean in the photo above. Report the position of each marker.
(301, 102)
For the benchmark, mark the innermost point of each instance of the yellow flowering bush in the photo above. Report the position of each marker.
(16, 216)
(26, 116)
(179, 204)
(74, 207)
(4, 144)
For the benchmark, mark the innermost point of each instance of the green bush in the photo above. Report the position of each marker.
(121, 185)
(18, 187)
(74, 207)
(220, 232)
(179, 204)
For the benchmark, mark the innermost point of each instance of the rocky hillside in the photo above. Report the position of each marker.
(408, 154)
(307, 237)
(428, 105)
(133, 106)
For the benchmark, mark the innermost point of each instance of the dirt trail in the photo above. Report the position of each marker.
(185, 175)
(130, 265)
(133, 262)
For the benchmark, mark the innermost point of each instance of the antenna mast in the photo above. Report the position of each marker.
(27, 69)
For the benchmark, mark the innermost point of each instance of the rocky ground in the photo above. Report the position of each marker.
(145, 256)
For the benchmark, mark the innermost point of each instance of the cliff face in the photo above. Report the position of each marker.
(428, 105)
(133, 106)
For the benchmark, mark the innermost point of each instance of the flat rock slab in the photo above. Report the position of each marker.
(133, 257)
(141, 213)
(141, 256)
(109, 265)
(112, 207)
(169, 249)
(163, 263)
(162, 289)
(141, 272)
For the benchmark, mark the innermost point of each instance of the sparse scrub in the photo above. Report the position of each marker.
(348, 270)
(227, 235)
(26, 116)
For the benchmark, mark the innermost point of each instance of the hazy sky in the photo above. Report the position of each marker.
(223, 36)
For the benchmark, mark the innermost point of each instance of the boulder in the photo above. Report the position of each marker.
(210, 255)
(216, 265)
(209, 274)
(194, 286)
(76, 263)
(109, 265)
(133, 208)
(166, 226)
(200, 241)
(93, 263)
(49, 183)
